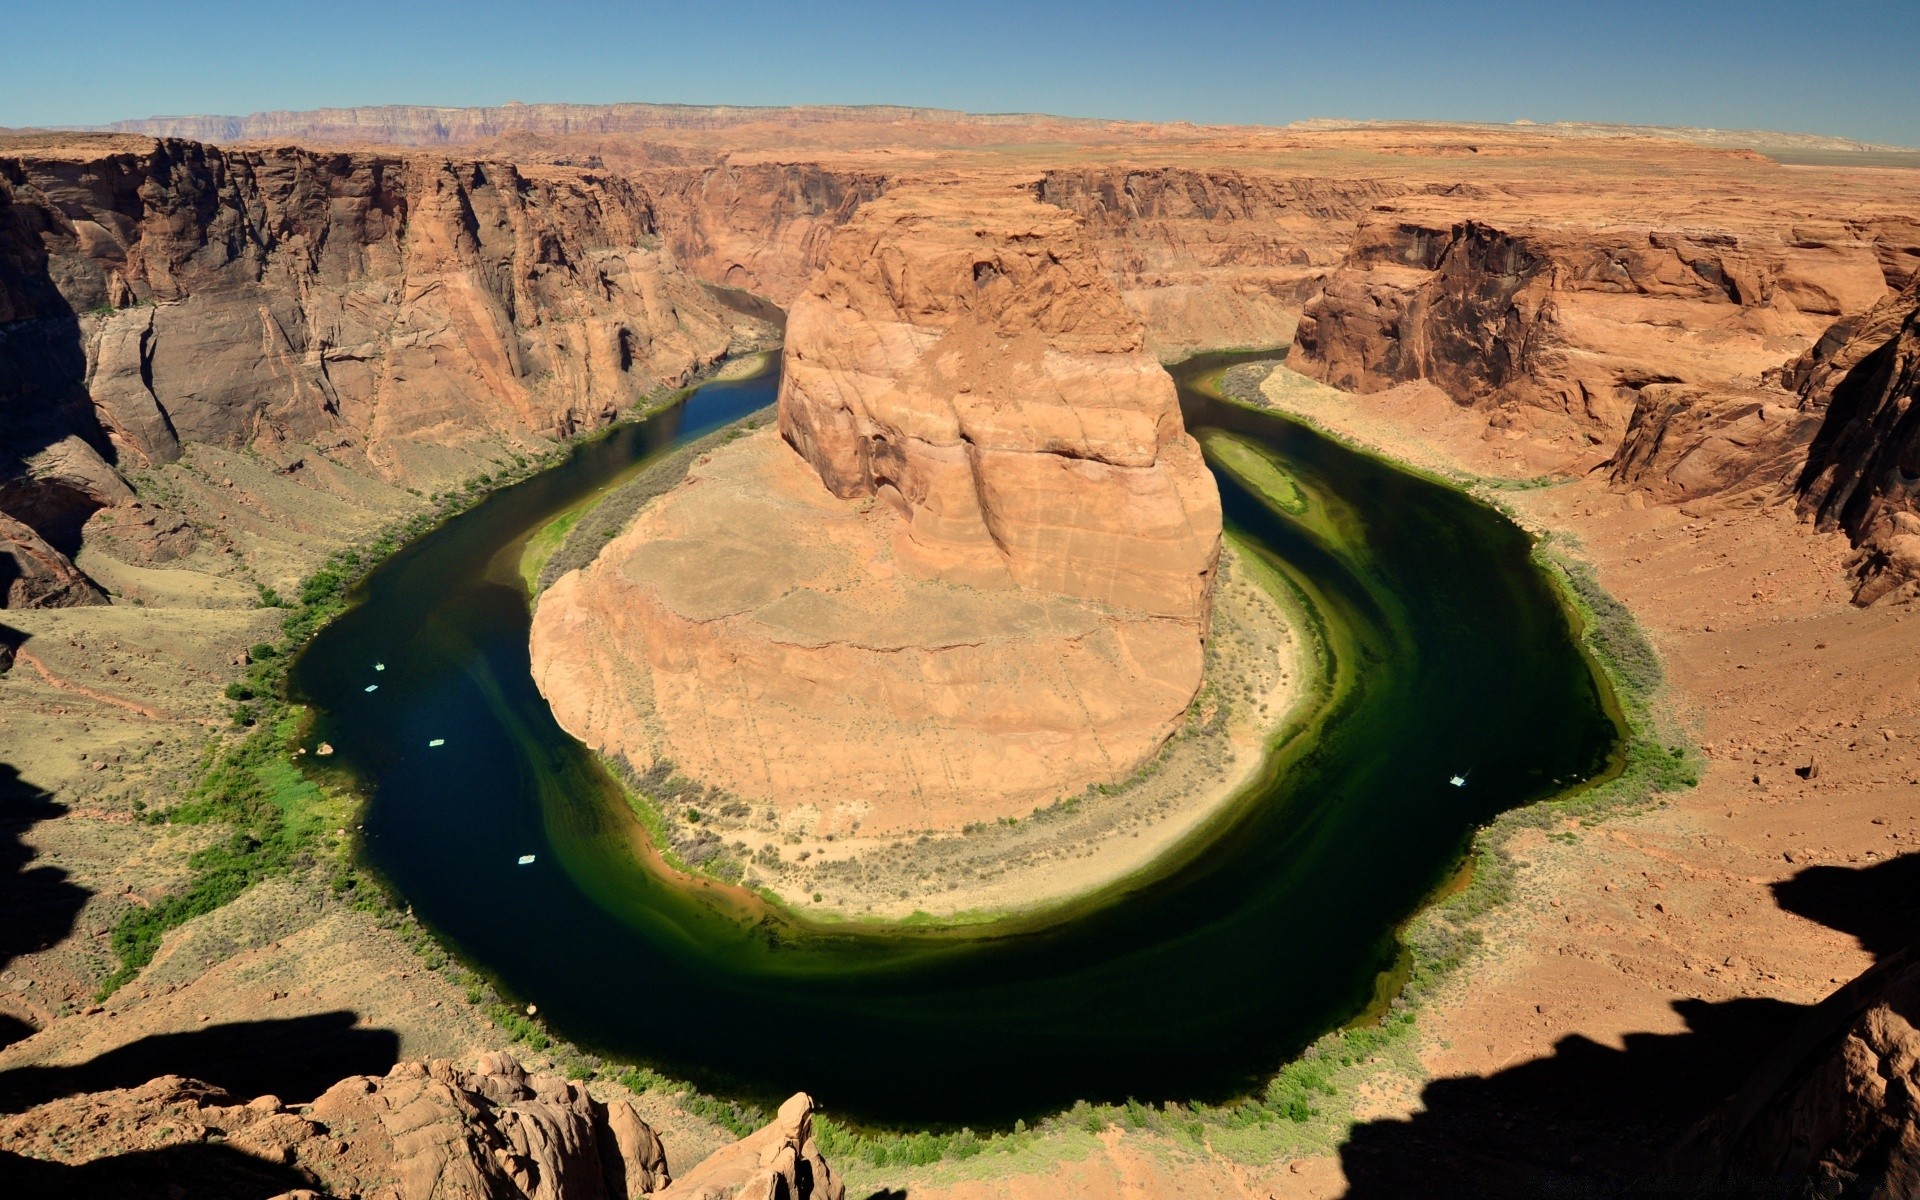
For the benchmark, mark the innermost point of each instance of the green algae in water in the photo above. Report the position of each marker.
(1445, 650)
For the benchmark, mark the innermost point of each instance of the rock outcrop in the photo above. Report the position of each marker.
(965, 359)
(1837, 1104)
(1557, 329)
(1863, 469)
(1834, 429)
(35, 575)
(1690, 442)
(386, 310)
(761, 227)
(427, 1130)
(1217, 257)
(997, 598)
(779, 1161)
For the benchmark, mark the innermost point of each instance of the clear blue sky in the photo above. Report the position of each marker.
(1835, 67)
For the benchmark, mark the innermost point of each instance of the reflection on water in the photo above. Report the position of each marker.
(1449, 654)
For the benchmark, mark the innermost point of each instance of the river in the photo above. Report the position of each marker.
(1449, 654)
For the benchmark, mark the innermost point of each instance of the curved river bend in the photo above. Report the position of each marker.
(1448, 652)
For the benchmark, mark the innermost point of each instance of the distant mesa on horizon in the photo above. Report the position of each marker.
(427, 124)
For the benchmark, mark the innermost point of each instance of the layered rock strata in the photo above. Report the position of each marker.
(384, 310)
(1862, 471)
(1557, 329)
(972, 573)
(427, 1130)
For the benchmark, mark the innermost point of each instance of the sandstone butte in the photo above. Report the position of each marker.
(970, 573)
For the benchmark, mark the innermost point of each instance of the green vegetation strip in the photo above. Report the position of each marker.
(248, 779)
(251, 782)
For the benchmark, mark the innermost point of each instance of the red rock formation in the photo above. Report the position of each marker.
(1217, 257)
(1557, 328)
(395, 308)
(1689, 442)
(780, 1160)
(1836, 1104)
(997, 598)
(427, 1130)
(1863, 470)
(963, 357)
(761, 227)
(35, 575)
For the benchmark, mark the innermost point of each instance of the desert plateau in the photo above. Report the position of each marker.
(581, 651)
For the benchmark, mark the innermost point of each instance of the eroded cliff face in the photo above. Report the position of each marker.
(970, 574)
(964, 358)
(1833, 1104)
(763, 228)
(1557, 329)
(1204, 258)
(427, 1130)
(398, 314)
(1862, 471)
(1220, 257)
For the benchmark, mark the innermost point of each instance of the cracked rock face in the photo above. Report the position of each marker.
(429, 1129)
(965, 359)
(971, 574)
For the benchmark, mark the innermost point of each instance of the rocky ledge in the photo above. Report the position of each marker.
(427, 1129)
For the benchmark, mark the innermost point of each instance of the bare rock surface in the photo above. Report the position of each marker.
(410, 317)
(964, 358)
(779, 1161)
(1836, 1103)
(429, 1129)
(1556, 326)
(1862, 467)
(981, 583)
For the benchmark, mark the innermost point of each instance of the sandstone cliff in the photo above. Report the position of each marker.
(997, 598)
(1833, 429)
(1862, 467)
(761, 227)
(1218, 257)
(427, 1130)
(1557, 328)
(964, 358)
(389, 311)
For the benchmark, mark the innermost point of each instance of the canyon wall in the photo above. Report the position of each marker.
(409, 315)
(763, 228)
(1556, 328)
(1217, 257)
(969, 574)
(1862, 470)
(1205, 258)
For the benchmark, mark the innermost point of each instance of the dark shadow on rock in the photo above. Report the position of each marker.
(38, 904)
(295, 1058)
(1879, 905)
(203, 1171)
(1590, 1120)
(13, 1029)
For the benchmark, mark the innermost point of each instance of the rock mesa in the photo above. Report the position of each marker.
(972, 573)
